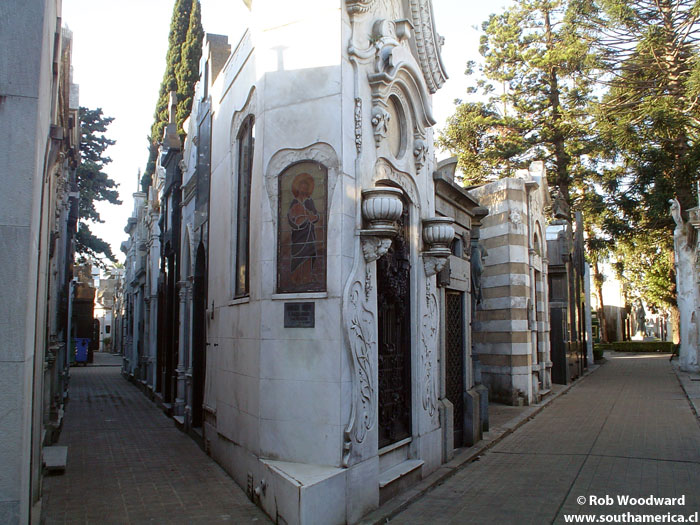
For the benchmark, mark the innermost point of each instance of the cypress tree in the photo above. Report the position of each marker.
(187, 72)
(181, 73)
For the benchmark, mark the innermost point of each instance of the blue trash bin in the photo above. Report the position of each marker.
(81, 349)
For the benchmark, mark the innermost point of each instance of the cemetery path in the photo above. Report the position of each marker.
(627, 430)
(127, 463)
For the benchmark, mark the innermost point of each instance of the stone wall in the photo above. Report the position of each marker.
(511, 332)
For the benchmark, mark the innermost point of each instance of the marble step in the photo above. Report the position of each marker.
(399, 471)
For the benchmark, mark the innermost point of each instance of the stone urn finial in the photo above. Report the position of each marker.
(438, 233)
(381, 208)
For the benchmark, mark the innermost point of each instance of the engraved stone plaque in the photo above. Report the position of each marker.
(299, 315)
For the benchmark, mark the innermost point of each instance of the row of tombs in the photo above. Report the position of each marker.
(316, 300)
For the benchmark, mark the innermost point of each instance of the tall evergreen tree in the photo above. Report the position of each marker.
(181, 74)
(187, 72)
(93, 183)
(649, 120)
(535, 74)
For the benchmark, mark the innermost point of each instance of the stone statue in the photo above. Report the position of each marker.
(477, 269)
(676, 212)
(640, 317)
(560, 208)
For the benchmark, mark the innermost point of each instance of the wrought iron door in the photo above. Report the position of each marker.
(394, 313)
(454, 339)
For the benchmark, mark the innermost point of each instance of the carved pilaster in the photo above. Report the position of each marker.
(429, 334)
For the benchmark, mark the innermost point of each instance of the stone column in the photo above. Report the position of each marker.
(188, 350)
(546, 356)
(179, 408)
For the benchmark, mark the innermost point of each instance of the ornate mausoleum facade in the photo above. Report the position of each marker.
(322, 389)
(512, 329)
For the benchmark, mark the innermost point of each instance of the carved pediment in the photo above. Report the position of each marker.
(395, 73)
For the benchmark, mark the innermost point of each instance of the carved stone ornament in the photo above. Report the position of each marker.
(428, 44)
(395, 68)
(380, 123)
(384, 171)
(381, 208)
(374, 247)
(433, 265)
(420, 152)
(438, 233)
(429, 334)
(360, 330)
(358, 124)
(358, 6)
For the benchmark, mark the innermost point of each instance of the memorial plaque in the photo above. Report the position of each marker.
(299, 315)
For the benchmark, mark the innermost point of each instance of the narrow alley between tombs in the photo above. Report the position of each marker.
(128, 463)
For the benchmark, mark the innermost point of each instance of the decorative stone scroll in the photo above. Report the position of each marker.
(395, 69)
(385, 171)
(429, 333)
(356, 7)
(360, 328)
(428, 43)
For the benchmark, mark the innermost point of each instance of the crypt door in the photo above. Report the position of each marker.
(394, 332)
(454, 370)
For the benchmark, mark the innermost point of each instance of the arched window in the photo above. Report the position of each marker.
(244, 168)
(302, 219)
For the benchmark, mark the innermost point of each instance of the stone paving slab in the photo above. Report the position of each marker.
(626, 430)
(690, 382)
(127, 463)
(504, 420)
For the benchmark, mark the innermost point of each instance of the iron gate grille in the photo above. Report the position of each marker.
(394, 370)
(455, 361)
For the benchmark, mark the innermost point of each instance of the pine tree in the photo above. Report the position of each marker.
(93, 183)
(536, 75)
(649, 120)
(181, 74)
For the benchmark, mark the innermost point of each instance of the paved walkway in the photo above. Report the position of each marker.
(627, 430)
(127, 463)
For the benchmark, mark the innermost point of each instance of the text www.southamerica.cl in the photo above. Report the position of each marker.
(640, 516)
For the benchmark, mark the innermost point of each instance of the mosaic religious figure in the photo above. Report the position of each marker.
(302, 217)
(302, 239)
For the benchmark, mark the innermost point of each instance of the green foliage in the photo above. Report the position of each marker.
(181, 74)
(535, 75)
(648, 121)
(635, 346)
(90, 248)
(93, 183)
(187, 72)
(645, 263)
(607, 92)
